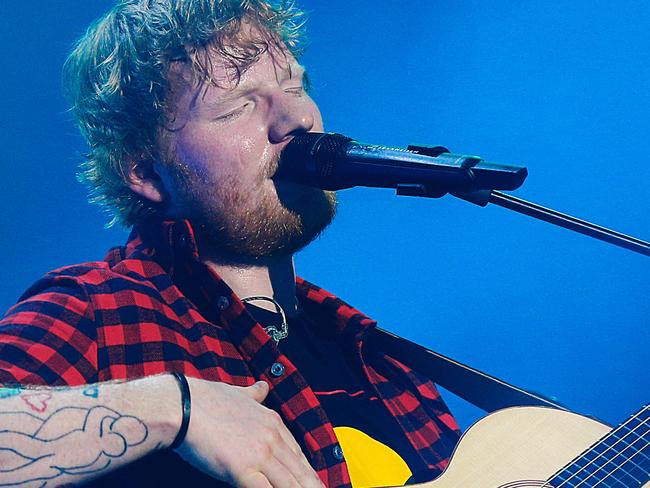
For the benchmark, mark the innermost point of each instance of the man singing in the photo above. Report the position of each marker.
(196, 338)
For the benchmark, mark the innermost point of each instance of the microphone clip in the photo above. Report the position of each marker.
(479, 197)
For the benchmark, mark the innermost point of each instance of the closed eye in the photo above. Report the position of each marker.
(295, 90)
(233, 114)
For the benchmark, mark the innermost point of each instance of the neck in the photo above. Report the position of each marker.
(275, 278)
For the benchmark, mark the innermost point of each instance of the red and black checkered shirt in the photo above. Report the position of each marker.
(152, 307)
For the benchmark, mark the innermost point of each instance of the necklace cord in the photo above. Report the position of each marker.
(276, 334)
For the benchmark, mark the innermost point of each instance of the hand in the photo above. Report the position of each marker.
(234, 438)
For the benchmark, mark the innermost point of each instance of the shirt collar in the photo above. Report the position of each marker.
(173, 246)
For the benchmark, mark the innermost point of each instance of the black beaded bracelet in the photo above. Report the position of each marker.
(186, 400)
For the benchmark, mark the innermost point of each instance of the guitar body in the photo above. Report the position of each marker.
(519, 447)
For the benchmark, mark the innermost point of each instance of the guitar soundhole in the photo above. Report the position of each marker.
(526, 484)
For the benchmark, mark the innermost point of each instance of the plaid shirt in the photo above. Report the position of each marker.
(152, 307)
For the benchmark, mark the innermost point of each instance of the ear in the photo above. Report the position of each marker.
(145, 181)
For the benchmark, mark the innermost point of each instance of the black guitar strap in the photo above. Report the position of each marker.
(481, 389)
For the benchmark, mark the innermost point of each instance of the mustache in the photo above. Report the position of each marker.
(272, 168)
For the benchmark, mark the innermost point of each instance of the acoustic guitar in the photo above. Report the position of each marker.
(525, 447)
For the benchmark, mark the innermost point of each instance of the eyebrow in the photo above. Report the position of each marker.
(228, 96)
(295, 71)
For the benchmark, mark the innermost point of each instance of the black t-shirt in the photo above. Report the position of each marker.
(376, 450)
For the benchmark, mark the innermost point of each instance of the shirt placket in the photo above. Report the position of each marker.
(289, 394)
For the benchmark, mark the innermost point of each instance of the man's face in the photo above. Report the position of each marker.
(227, 140)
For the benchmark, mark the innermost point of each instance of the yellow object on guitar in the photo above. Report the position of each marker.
(370, 462)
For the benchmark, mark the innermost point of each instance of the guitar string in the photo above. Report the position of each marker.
(596, 444)
(620, 427)
(618, 453)
(611, 473)
(642, 423)
(580, 482)
(620, 467)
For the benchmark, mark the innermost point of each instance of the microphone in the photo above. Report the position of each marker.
(334, 162)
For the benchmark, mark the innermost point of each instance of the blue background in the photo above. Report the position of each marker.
(561, 87)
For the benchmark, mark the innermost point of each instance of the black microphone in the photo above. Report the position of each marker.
(335, 162)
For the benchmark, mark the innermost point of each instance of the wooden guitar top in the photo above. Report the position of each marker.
(521, 447)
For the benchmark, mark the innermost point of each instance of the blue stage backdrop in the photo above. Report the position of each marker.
(560, 87)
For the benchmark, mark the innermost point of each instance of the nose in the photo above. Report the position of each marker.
(291, 115)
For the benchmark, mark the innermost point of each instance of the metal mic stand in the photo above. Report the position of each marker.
(483, 197)
(569, 222)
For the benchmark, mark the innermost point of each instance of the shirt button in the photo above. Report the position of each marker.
(223, 303)
(277, 369)
(337, 452)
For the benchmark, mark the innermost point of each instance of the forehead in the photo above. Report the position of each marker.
(227, 62)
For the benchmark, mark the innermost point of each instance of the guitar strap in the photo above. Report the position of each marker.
(485, 391)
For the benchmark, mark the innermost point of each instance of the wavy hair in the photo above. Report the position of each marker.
(117, 80)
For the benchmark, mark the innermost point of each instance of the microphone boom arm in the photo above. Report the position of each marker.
(483, 197)
(568, 222)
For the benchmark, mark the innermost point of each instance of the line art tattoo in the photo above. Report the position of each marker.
(41, 452)
(8, 392)
(92, 391)
(36, 401)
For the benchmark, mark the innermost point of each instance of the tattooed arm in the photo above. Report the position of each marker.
(52, 436)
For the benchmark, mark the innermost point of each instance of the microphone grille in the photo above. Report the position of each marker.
(312, 156)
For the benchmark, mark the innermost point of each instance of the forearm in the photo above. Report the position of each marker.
(71, 435)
